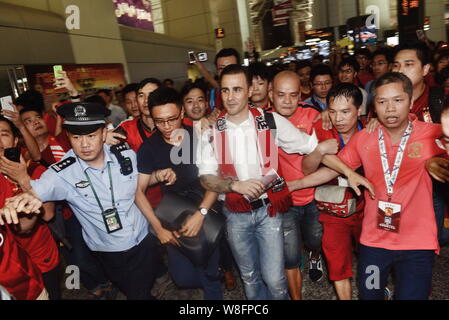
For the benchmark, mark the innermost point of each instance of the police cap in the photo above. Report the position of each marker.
(83, 117)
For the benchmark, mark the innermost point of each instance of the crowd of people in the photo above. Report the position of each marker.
(252, 172)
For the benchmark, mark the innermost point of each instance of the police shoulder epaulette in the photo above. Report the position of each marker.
(307, 105)
(61, 165)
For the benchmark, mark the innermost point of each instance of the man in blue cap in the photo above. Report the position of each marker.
(99, 183)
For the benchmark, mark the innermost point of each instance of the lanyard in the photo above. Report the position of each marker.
(390, 177)
(342, 143)
(95, 193)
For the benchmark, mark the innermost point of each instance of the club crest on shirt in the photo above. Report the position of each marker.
(221, 124)
(414, 150)
(82, 184)
(261, 123)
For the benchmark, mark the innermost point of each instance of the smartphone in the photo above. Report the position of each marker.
(12, 154)
(202, 56)
(192, 57)
(57, 71)
(6, 103)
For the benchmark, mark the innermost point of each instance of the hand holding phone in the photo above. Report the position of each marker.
(12, 154)
(6, 103)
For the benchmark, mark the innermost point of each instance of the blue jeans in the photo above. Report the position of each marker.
(413, 273)
(256, 241)
(301, 221)
(186, 275)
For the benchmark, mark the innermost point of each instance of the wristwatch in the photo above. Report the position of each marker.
(204, 211)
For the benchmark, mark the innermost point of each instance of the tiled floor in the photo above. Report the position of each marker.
(165, 289)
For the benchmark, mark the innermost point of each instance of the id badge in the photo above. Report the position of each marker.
(112, 220)
(388, 216)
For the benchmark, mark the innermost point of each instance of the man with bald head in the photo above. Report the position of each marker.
(302, 218)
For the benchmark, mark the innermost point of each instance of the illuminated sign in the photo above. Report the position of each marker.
(219, 33)
(134, 13)
(410, 18)
(322, 34)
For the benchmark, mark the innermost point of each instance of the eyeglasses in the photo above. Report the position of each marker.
(170, 122)
(322, 84)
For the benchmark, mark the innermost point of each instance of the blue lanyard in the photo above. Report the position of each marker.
(342, 143)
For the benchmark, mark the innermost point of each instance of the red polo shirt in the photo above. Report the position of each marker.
(291, 164)
(413, 188)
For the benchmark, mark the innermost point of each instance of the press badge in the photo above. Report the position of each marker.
(388, 216)
(112, 220)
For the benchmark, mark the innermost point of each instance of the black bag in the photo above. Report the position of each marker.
(173, 210)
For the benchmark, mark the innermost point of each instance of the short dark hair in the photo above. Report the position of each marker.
(168, 80)
(320, 70)
(363, 52)
(189, 87)
(107, 92)
(146, 81)
(164, 95)
(303, 64)
(442, 76)
(351, 61)
(14, 130)
(394, 77)
(259, 69)
(31, 98)
(422, 51)
(347, 90)
(29, 109)
(387, 53)
(96, 99)
(227, 52)
(441, 55)
(132, 87)
(236, 69)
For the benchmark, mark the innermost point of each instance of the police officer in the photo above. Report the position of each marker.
(99, 184)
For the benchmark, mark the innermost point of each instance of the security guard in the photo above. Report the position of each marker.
(99, 184)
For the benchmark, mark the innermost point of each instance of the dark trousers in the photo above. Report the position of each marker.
(412, 270)
(91, 272)
(133, 271)
(52, 284)
(186, 275)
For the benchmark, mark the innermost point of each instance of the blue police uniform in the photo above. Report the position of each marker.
(103, 200)
(66, 180)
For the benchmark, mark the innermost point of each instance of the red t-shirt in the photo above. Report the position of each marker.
(50, 121)
(134, 139)
(421, 103)
(40, 245)
(323, 135)
(18, 274)
(55, 151)
(291, 164)
(364, 78)
(413, 187)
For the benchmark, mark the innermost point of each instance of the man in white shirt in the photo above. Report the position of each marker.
(229, 162)
(117, 112)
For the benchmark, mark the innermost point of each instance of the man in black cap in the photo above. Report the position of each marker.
(99, 183)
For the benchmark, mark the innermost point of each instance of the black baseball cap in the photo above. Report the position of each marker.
(83, 117)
